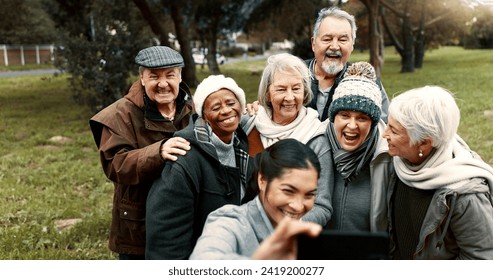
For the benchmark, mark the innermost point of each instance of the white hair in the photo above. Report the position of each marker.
(335, 12)
(427, 112)
(280, 63)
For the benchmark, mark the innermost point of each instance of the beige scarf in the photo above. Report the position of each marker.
(303, 128)
(447, 166)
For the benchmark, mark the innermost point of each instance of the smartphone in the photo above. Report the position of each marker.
(340, 245)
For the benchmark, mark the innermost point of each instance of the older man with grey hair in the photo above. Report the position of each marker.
(134, 136)
(334, 35)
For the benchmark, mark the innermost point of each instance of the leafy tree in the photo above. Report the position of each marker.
(25, 22)
(415, 25)
(481, 29)
(218, 18)
(291, 19)
(98, 41)
(179, 14)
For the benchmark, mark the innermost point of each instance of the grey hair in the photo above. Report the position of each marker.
(427, 112)
(335, 12)
(281, 63)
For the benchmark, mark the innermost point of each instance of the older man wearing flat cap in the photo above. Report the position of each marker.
(134, 136)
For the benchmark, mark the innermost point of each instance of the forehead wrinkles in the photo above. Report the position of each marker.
(335, 27)
(286, 77)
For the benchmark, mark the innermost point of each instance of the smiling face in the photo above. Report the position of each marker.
(161, 85)
(333, 45)
(286, 94)
(291, 195)
(222, 112)
(400, 143)
(352, 129)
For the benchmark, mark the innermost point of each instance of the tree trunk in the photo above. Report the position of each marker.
(407, 58)
(393, 37)
(189, 72)
(153, 22)
(212, 46)
(406, 48)
(376, 48)
(419, 46)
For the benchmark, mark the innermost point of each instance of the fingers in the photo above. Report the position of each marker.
(282, 243)
(249, 109)
(252, 108)
(289, 228)
(174, 146)
(255, 105)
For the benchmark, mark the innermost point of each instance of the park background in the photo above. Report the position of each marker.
(55, 199)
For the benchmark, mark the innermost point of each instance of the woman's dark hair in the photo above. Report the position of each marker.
(282, 155)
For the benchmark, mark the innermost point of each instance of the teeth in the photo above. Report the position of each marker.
(291, 215)
(229, 120)
(351, 134)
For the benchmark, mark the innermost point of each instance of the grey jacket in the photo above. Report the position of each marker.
(321, 214)
(233, 232)
(381, 177)
(460, 226)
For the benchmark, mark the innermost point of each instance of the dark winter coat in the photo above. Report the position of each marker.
(191, 188)
(129, 134)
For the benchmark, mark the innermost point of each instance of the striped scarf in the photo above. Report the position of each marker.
(203, 133)
(349, 164)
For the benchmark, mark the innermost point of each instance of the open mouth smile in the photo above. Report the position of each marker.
(350, 136)
(291, 215)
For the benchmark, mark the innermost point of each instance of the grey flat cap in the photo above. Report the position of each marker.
(158, 57)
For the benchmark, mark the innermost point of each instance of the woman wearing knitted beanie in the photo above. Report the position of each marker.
(212, 173)
(441, 205)
(355, 159)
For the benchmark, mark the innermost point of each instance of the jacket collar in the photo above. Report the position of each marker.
(137, 95)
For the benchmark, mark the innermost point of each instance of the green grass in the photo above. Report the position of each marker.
(43, 182)
(25, 67)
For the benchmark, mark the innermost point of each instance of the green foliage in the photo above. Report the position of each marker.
(25, 22)
(45, 181)
(481, 33)
(100, 53)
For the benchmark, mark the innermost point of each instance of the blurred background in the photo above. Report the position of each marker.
(96, 41)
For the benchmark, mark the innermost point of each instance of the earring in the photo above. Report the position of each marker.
(420, 153)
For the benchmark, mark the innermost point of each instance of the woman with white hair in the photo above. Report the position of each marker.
(283, 93)
(441, 206)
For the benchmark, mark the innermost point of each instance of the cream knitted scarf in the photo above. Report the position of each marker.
(303, 128)
(447, 166)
